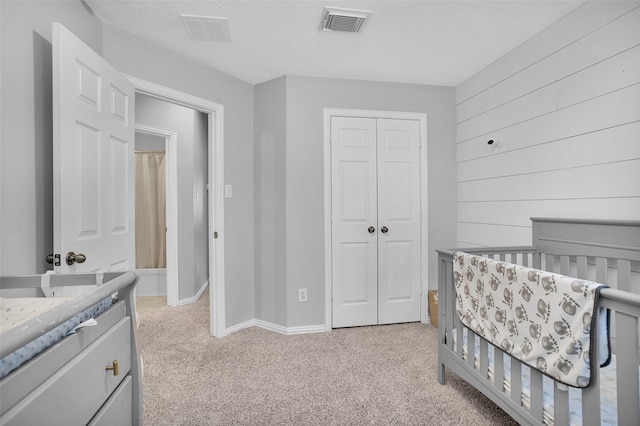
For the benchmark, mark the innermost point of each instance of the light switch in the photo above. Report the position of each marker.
(228, 191)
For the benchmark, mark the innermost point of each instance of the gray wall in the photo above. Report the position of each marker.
(270, 200)
(301, 166)
(136, 57)
(147, 142)
(26, 140)
(191, 153)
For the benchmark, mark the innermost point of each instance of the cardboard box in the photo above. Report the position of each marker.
(432, 296)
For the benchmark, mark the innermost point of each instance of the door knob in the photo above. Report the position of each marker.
(73, 258)
(53, 259)
(384, 229)
(371, 229)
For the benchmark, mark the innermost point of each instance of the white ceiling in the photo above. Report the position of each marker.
(417, 41)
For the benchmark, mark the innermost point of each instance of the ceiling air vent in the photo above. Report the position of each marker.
(339, 19)
(207, 28)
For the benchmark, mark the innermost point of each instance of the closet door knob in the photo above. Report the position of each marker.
(371, 229)
(384, 229)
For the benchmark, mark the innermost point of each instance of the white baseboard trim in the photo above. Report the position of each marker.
(196, 297)
(276, 328)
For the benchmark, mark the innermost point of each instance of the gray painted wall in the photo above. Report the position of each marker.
(306, 98)
(286, 211)
(270, 200)
(192, 175)
(26, 140)
(26, 202)
(139, 58)
(147, 142)
(301, 165)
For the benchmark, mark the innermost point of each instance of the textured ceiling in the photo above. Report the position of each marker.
(428, 42)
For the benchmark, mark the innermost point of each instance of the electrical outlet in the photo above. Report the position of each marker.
(302, 295)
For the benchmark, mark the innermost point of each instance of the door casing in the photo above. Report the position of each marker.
(328, 113)
(171, 150)
(215, 114)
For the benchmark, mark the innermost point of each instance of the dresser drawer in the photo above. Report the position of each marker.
(21, 382)
(77, 391)
(118, 409)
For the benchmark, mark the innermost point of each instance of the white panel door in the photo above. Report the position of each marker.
(375, 221)
(93, 137)
(354, 227)
(399, 221)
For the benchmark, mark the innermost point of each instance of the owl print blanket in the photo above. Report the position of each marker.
(545, 320)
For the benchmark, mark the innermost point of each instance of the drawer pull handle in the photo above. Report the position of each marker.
(113, 367)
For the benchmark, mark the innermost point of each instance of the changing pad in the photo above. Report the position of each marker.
(33, 348)
(17, 310)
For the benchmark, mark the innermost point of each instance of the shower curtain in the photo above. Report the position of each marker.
(150, 210)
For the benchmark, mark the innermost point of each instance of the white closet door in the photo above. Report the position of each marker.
(375, 221)
(93, 134)
(399, 221)
(354, 205)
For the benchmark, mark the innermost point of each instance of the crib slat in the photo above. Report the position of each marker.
(498, 368)
(536, 394)
(459, 338)
(516, 381)
(564, 265)
(601, 270)
(624, 275)
(471, 349)
(484, 359)
(591, 394)
(560, 406)
(582, 269)
(549, 264)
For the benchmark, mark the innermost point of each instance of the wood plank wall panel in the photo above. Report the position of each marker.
(564, 112)
(578, 24)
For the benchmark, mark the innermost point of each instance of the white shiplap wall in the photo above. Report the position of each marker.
(564, 112)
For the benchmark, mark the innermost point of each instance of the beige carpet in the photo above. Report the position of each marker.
(367, 375)
(145, 304)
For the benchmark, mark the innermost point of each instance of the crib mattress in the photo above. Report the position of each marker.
(33, 348)
(608, 392)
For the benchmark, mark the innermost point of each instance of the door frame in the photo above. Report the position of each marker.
(328, 113)
(215, 114)
(171, 184)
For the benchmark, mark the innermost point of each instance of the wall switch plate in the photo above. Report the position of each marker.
(302, 295)
(228, 191)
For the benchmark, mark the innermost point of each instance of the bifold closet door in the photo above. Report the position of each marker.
(399, 221)
(375, 221)
(354, 221)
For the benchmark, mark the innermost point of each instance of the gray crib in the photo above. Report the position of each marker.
(597, 250)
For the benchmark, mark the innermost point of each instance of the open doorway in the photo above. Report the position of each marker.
(151, 225)
(156, 216)
(174, 159)
(214, 115)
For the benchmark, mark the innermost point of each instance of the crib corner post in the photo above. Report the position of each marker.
(444, 276)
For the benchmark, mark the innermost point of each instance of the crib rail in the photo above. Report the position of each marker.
(502, 381)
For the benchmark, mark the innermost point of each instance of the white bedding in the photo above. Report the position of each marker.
(17, 310)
